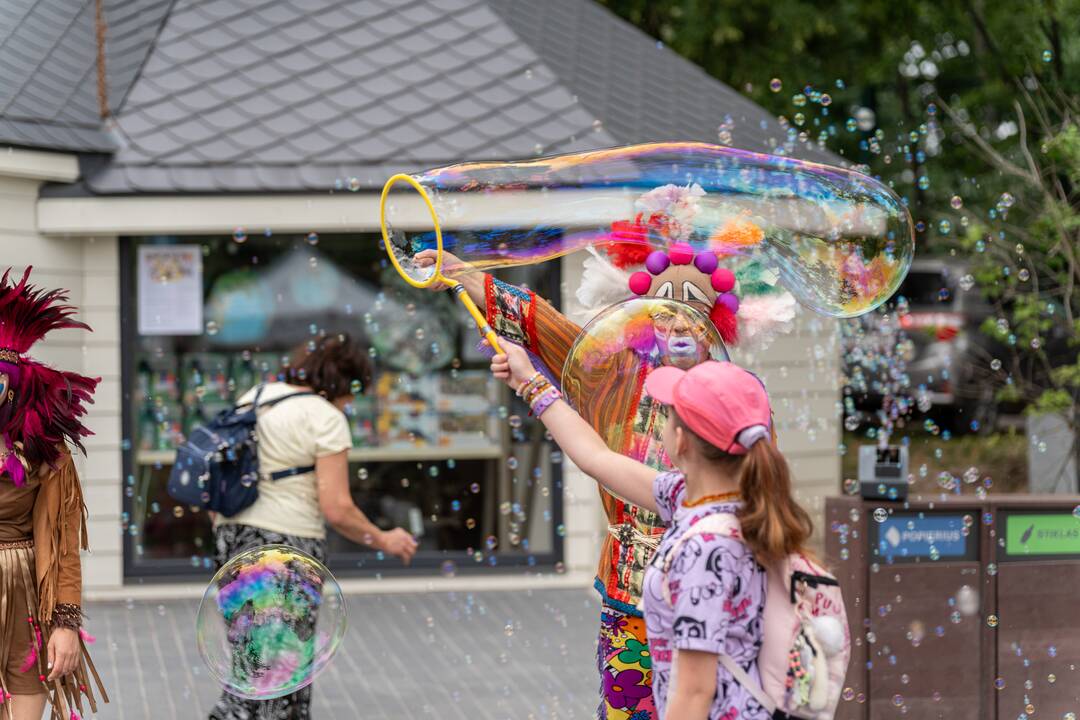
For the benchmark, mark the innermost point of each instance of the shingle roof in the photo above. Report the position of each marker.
(300, 95)
(49, 72)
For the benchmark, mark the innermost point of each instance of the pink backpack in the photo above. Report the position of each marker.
(806, 644)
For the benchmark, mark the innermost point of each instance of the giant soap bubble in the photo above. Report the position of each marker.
(838, 240)
(606, 367)
(270, 621)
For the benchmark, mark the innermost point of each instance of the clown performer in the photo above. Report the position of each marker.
(656, 254)
(43, 653)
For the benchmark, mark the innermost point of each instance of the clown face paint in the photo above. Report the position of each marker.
(608, 362)
(681, 338)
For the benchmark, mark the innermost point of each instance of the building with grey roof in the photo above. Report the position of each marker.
(130, 120)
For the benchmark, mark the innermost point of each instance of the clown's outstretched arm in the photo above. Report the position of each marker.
(516, 314)
(627, 478)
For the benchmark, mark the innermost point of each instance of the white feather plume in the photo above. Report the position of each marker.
(764, 317)
(602, 284)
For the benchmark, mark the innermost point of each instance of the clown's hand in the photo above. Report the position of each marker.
(512, 367)
(452, 266)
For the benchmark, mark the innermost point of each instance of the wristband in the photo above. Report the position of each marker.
(545, 401)
(67, 616)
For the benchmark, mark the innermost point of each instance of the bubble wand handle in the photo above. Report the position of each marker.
(437, 276)
(478, 317)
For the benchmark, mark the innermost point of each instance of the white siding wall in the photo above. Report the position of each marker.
(89, 268)
(801, 372)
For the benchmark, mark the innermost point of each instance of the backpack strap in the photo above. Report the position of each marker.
(726, 525)
(256, 405)
(743, 678)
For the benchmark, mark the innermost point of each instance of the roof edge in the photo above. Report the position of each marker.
(41, 165)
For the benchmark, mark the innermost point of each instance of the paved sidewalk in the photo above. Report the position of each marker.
(525, 655)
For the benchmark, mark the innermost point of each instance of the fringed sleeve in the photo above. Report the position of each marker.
(59, 535)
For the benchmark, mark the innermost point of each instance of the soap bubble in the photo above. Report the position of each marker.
(839, 241)
(776, 85)
(618, 347)
(270, 621)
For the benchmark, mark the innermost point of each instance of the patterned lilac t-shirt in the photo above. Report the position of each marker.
(717, 598)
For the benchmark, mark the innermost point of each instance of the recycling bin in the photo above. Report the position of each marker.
(1036, 579)
(910, 574)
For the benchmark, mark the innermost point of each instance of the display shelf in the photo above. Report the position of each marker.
(374, 454)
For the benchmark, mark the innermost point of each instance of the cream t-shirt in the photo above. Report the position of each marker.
(292, 434)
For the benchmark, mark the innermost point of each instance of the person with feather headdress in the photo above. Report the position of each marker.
(43, 647)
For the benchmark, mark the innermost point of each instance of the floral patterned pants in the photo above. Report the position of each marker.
(230, 540)
(625, 666)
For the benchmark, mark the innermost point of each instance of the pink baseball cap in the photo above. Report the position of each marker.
(722, 403)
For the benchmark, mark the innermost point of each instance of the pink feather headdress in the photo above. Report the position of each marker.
(45, 405)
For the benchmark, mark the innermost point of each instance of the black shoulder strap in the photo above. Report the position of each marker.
(275, 401)
(271, 403)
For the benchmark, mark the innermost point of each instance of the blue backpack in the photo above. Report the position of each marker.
(217, 467)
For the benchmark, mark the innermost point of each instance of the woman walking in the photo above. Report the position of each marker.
(307, 430)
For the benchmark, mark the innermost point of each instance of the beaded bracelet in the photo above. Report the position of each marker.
(545, 401)
(528, 384)
(67, 616)
(537, 392)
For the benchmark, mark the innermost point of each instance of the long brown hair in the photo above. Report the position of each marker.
(773, 524)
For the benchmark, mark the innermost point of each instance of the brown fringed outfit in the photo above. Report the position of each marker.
(42, 530)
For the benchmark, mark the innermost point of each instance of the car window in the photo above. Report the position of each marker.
(929, 289)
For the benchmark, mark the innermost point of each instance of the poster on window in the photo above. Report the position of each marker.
(170, 290)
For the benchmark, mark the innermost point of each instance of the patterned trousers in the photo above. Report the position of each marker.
(622, 657)
(230, 540)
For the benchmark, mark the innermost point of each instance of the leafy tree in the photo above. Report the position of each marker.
(969, 109)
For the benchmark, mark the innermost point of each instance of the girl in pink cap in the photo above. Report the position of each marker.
(709, 602)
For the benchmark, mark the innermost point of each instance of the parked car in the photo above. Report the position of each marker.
(930, 355)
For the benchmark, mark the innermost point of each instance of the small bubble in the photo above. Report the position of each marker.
(999, 683)
(881, 514)
(448, 569)
(354, 184)
(312, 238)
(776, 85)
(956, 202)
(995, 364)
(1048, 56)
(239, 236)
(967, 282)
(992, 621)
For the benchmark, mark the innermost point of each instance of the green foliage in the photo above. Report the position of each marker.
(969, 110)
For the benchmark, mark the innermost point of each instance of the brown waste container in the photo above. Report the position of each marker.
(1036, 579)
(959, 607)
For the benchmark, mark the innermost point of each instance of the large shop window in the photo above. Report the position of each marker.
(439, 447)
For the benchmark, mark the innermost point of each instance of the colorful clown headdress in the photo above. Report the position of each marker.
(720, 270)
(44, 406)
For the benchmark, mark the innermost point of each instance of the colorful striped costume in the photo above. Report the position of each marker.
(634, 533)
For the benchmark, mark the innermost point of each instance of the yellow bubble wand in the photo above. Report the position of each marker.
(453, 285)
